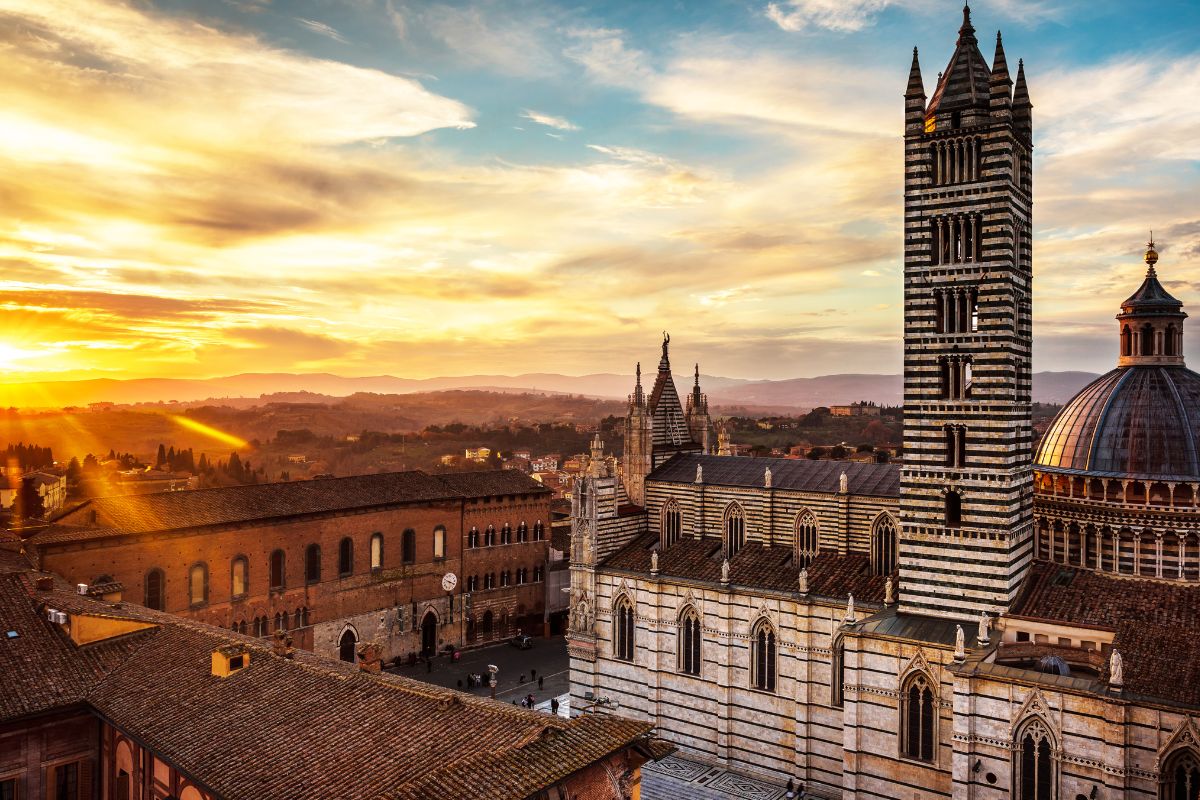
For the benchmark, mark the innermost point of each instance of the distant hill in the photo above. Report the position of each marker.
(797, 393)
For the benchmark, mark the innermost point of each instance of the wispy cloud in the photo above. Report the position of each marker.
(323, 29)
(549, 120)
(844, 16)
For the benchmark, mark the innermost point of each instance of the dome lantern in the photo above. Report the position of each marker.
(1151, 322)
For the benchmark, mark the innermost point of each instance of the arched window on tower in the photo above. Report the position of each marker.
(1180, 776)
(762, 656)
(807, 538)
(623, 630)
(1034, 769)
(689, 642)
(1126, 341)
(918, 716)
(1169, 341)
(953, 509)
(1147, 342)
(671, 524)
(883, 545)
(735, 529)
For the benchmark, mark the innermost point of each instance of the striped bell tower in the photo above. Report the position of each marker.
(966, 500)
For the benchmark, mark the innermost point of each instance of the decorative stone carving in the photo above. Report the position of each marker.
(984, 624)
(960, 644)
(889, 596)
(1116, 670)
(767, 478)
(654, 562)
(843, 484)
(804, 581)
(725, 571)
(699, 473)
(850, 609)
(582, 615)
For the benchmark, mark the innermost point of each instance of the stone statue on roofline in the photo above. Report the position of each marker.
(985, 623)
(804, 581)
(767, 478)
(960, 644)
(1116, 670)
(850, 609)
(889, 590)
(843, 484)
(725, 571)
(699, 473)
(654, 561)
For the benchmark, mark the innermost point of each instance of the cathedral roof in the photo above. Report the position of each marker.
(830, 575)
(1156, 624)
(967, 79)
(877, 480)
(1140, 421)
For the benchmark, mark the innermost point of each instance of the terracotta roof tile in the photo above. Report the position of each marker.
(1156, 624)
(830, 575)
(876, 480)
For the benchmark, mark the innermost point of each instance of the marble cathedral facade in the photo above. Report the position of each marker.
(877, 631)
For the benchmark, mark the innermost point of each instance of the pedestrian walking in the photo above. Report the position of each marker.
(541, 683)
(554, 706)
(533, 674)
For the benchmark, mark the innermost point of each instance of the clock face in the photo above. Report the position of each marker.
(449, 582)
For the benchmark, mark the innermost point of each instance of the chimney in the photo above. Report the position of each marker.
(45, 583)
(82, 588)
(369, 659)
(282, 644)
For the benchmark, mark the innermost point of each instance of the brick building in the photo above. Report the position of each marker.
(335, 561)
(106, 699)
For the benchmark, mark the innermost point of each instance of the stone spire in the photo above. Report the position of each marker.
(1022, 108)
(914, 98)
(962, 90)
(1001, 83)
(664, 363)
(698, 401)
(638, 398)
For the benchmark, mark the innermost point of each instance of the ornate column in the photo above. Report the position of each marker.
(1158, 554)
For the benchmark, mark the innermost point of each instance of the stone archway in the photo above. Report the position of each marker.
(429, 628)
(347, 644)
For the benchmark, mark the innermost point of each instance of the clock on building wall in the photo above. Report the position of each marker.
(449, 581)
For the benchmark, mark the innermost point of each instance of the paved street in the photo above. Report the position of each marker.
(547, 656)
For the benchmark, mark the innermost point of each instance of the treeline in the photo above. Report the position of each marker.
(176, 461)
(28, 456)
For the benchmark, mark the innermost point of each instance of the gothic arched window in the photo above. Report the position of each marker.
(276, 569)
(1033, 763)
(376, 551)
(837, 674)
(918, 715)
(312, 563)
(808, 540)
(672, 523)
(1126, 341)
(735, 529)
(198, 584)
(762, 657)
(1180, 776)
(883, 545)
(155, 595)
(239, 578)
(623, 630)
(689, 642)
(408, 546)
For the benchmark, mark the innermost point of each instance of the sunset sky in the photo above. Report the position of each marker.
(194, 189)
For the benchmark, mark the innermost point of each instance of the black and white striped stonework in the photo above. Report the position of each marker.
(966, 485)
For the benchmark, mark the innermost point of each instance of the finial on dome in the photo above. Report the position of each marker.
(1151, 255)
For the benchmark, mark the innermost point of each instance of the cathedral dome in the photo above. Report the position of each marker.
(1138, 421)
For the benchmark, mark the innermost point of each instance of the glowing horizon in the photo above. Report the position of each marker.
(434, 189)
